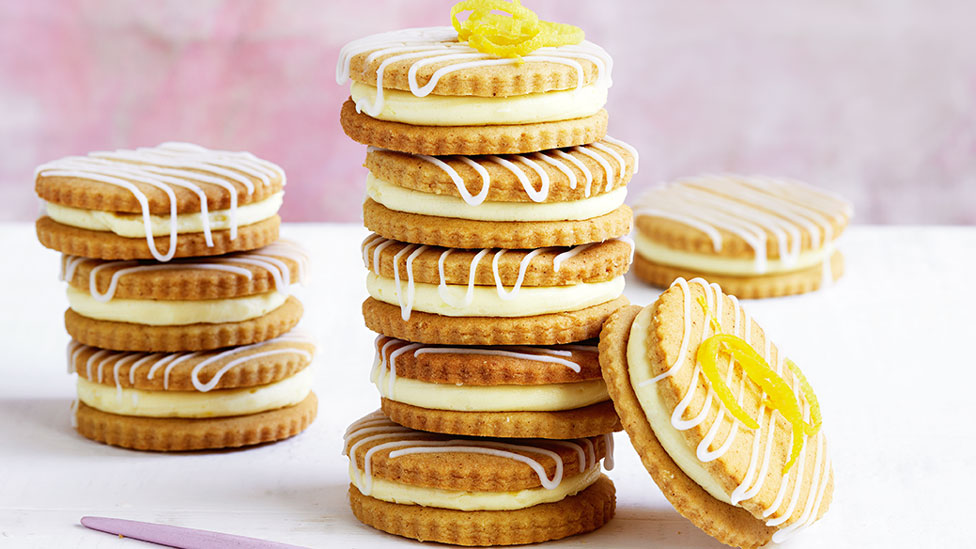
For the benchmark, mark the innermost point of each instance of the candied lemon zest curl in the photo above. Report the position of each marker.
(514, 35)
(779, 395)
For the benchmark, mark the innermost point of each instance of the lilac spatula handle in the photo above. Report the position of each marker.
(176, 536)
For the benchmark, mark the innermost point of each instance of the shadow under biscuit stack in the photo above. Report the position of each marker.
(180, 309)
(498, 249)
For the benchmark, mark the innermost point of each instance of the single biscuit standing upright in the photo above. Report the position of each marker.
(193, 401)
(423, 91)
(476, 491)
(755, 236)
(115, 205)
(185, 304)
(726, 425)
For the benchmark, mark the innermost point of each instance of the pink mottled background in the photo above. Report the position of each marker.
(872, 98)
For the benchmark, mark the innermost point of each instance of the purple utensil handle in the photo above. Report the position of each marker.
(177, 536)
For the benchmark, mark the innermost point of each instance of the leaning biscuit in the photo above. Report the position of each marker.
(408, 483)
(723, 475)
(522, 391)
(756, 236)
(173, 200)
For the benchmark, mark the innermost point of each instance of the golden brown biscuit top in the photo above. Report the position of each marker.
(273, 267)
(484, 464)
(430, 60)
(489, 365)
(552, 266)
(742, 216)
(558, 175)
(747, 462)
(237, 367)
(129, 181)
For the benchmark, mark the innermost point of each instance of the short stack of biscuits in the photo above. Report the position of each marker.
(180, 310)
(498, 249)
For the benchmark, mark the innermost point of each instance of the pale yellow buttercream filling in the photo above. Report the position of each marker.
(194, 404)
(133, 226)
(175, 313)
(461, 500)
(485, 301)
(658, 414)
(492, 398)
(706, 263)
(402, 199)
(469, 110)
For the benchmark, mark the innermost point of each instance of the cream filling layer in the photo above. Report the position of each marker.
(657, 413)
(401, 199)
(132, 226)
(659, 253)
(468, 110)
(485, 300)
(193, 404)
(461, 500)
(175, 313)
(552, 397)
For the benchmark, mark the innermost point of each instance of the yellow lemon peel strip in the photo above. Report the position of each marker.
(514, 35)
(780, 395)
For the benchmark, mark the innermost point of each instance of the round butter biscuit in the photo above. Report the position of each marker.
(466, 233)
(181, 435)
(558, 175)
(470, 140)
(547, 329)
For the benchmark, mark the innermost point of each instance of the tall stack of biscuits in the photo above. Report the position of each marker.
(180, 309)
(498, 249)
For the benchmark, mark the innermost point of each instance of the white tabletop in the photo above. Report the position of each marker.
(889, 350)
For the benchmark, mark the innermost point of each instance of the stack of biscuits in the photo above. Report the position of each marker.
(498, 249)
(180, 309)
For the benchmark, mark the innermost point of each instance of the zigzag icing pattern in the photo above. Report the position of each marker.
(429, 45)
(557, 158)
(376, 244)
(167, 166)
(388, 349)
(150, 363)
(751, 208)
(267, 258)
(377, 426)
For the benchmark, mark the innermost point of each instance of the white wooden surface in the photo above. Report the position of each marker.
(890, 351)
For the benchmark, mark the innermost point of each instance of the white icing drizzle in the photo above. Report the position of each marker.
(439, 45)
(376, 427)
(560, 160)
(384, 363)
(759, 461)
(377, 244)
(167, 166)
(267, 258)
(751, 208)
(288, 343)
